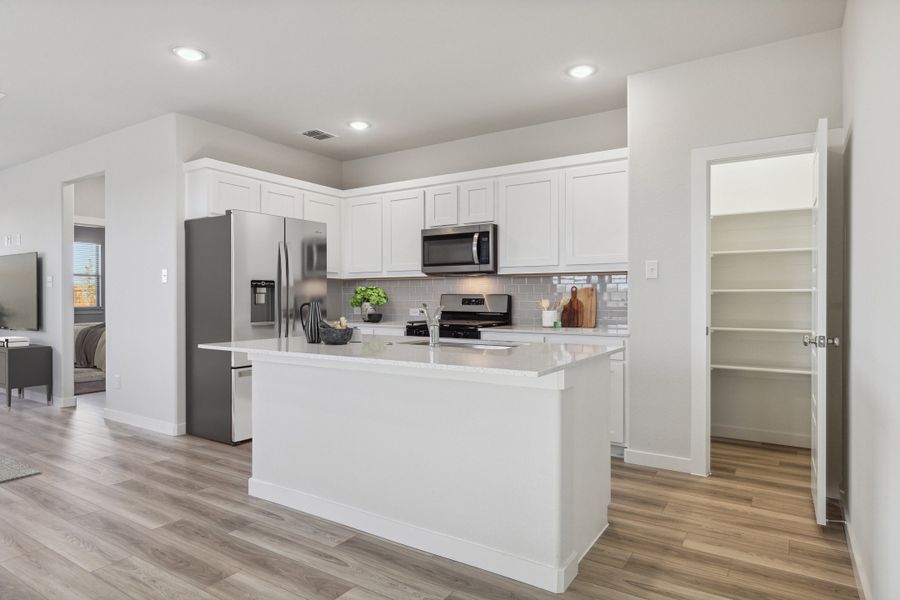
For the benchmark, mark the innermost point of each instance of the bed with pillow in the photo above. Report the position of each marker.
(90, 358)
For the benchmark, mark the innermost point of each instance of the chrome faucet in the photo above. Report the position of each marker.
(433, 320)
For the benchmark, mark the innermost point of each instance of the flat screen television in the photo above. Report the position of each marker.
(20, 306)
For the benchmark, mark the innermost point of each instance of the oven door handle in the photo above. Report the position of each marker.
(475, 237)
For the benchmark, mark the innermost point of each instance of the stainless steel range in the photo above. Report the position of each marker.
(465, 315)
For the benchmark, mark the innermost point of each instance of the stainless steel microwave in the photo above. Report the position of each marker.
(470, 249)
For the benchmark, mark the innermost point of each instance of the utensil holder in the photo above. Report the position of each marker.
(548, 318)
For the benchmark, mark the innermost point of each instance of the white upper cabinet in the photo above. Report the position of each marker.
(326, 209)
(596, 214)
(364, 236)
(529, 221)
(476, 201)
(229, 191)
(281, 200)
(441, 206)
(404, 217)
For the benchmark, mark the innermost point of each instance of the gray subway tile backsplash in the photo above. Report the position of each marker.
(527, 291)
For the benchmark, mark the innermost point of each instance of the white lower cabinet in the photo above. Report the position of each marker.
(364, 240)
(326, 209)
(617, 366)
(404, 217)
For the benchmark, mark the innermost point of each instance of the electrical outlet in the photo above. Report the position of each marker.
(164, 276)
(49, 281)
(117, 382)
(415, 312)
(651, 269)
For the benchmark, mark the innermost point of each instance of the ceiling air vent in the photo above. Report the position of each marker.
(318, 134)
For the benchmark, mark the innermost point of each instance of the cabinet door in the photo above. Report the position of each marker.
(441, 206)
(280, 200)
(326, 209)
(529, 220)
(476, 201)
(364, 239)
(229, 191)
(403, 221)
(596, 214)
(617, 406)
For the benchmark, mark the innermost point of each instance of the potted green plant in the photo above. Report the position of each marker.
(366, 298)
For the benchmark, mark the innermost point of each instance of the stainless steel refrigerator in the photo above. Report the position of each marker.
(246, 275)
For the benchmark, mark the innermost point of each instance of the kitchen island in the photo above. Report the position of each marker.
(492, 454)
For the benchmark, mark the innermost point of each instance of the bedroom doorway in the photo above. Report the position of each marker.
(89, 291)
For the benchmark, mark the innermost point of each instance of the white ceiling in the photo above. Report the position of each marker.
(422, 71)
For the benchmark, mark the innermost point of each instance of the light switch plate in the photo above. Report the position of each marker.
(164, 276)
(49, 281)
(651, 269)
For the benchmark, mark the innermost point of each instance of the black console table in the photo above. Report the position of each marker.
(26, 366)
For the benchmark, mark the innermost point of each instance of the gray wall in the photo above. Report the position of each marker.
(202, 139)
(527, 291)
(768, 91)
(871, 98)
(591, 133)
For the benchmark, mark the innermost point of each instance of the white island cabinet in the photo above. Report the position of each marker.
(489, 454)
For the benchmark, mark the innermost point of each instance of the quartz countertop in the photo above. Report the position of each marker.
(522, 359)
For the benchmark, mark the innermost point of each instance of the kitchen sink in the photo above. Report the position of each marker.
(472, 345)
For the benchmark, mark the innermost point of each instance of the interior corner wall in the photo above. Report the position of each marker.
(202, 139)
(872, 190)
(590, 133)
(768, 91)
(139, 165)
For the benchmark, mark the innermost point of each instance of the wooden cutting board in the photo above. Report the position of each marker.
(588, 298)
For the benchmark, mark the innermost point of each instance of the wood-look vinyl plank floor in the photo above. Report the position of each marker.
(122, 513)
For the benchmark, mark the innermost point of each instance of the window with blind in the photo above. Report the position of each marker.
(87, 280)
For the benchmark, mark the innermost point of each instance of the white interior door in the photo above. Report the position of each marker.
(819, 341)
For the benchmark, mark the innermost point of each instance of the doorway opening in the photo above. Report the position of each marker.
(762, 305)
(88, 299)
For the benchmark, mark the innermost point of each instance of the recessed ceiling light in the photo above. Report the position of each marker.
(359, 125)
(581, 71)
(189, 54)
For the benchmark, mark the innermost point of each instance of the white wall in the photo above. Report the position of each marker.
(768, 91)
(90, 200)
(776, 183)
(871, 98)
(139, 165)
(591, 133)
(144, 209)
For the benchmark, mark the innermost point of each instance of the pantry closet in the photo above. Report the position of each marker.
(761, 283)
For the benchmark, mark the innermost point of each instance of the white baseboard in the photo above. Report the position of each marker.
(767, 436)
(660, 461)
(859, 572)
(547, 577)
(157, 425)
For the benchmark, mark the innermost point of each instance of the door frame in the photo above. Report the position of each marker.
(701, 161)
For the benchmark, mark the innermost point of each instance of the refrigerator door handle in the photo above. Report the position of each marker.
(279, 290)
(289, 292)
